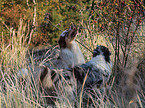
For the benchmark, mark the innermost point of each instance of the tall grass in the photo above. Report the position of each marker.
(17, 91)
(24, 92)
(122, 91)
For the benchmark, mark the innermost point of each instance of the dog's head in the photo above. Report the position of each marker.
(67, 37)
(102, 50)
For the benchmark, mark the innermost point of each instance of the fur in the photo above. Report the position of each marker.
(99, 62)
(70, 53)
(72, 56)
(98, 68)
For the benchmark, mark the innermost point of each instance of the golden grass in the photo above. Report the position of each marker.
(17, 93)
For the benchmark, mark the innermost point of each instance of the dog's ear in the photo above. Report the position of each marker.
(62, 42)
(106, 53)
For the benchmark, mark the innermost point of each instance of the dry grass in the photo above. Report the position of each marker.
(16, 92)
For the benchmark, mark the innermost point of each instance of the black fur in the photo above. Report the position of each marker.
(102, 49)
(61, 42)
(95, 74)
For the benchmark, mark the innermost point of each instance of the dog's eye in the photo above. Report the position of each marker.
(95, 53)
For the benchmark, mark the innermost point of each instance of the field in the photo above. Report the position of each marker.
(125, 88)
(24, 48)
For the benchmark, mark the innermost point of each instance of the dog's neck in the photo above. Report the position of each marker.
(72, 55)
(78, 56)
(99, 62)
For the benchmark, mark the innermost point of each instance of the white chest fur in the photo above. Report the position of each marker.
(78, 56)
(100, 62)
(72, 56)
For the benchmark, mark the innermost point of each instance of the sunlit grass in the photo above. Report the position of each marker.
(15, 92)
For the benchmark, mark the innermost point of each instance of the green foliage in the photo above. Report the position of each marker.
(53, 16)
(50, 17)
(56, 15)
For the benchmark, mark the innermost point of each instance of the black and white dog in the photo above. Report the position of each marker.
(97, 70)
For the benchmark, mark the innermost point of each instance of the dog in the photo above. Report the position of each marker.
(70, 53)
(97, 71)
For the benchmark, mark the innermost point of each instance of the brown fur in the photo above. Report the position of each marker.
(66, 42)
(61, 42)
(47, 88)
